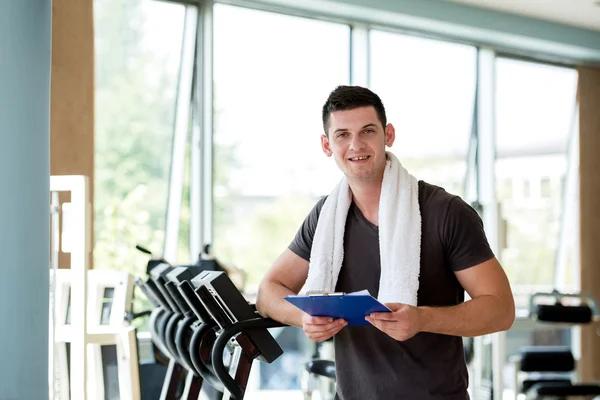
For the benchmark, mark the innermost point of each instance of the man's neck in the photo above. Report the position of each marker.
(366, 197)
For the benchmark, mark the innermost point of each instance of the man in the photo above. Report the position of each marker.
(414, 352)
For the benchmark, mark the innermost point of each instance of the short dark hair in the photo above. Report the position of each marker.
(344, 98)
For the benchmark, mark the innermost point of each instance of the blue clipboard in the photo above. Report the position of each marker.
(353, 307)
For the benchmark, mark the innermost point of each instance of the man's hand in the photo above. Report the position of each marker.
(401, 324)
(319, 329)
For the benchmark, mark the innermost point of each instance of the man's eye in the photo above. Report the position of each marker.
(370, 131)
(341, 135)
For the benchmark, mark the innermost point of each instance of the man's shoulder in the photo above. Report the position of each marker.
(433, 197)
(437, 204)
(314, 213)
(319, 204)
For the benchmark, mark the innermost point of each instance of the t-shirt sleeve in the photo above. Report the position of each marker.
(464, 237)
(302, 243)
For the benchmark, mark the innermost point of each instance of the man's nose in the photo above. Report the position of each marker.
(357, 143)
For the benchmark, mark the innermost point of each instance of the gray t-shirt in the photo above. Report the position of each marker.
(369, 363)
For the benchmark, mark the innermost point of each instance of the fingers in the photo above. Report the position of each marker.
(383, 316)
(395, 306)
(398, 311)
(324, 335)
(391, 328)
(320, 328)
(382, 324)
(329, 327)
(307, 319)
(399, 329)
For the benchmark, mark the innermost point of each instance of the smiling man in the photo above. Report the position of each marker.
(411, 244)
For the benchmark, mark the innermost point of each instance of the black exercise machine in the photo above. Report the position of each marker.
(171, 325)
(199, 317)
(319, 374)
(181, 330)
(159, 309)
(174, 381)
(553, 364)
(201, 340)
(241, 331)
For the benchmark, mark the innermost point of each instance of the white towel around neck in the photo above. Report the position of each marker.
(399, 237)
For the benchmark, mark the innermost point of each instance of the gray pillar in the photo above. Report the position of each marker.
(25, 42)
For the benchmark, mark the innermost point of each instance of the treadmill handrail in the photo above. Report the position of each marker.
(181, 345)
(170, 332)
(203, 369)
(217, 353)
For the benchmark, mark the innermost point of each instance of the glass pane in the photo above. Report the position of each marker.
(68, 313)
(270, 85)
(534, 107)
(428, 89)
(534, 110)
(110, 372)
(106, 306)
(137, 59)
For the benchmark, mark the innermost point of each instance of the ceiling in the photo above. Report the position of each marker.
(579, 13)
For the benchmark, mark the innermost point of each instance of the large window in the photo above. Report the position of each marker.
(535, 106)
(271, 74)
(270, 82)
(137, 59)
(428, 89)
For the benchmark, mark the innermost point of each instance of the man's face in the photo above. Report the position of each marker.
(357, 141)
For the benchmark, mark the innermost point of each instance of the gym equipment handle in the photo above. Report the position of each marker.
(203, 338)
(236, 391)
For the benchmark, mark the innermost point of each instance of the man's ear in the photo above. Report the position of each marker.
(326, 146)
(390, 135)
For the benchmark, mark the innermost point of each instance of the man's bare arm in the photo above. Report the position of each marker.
(491, 308)
(285, 277)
